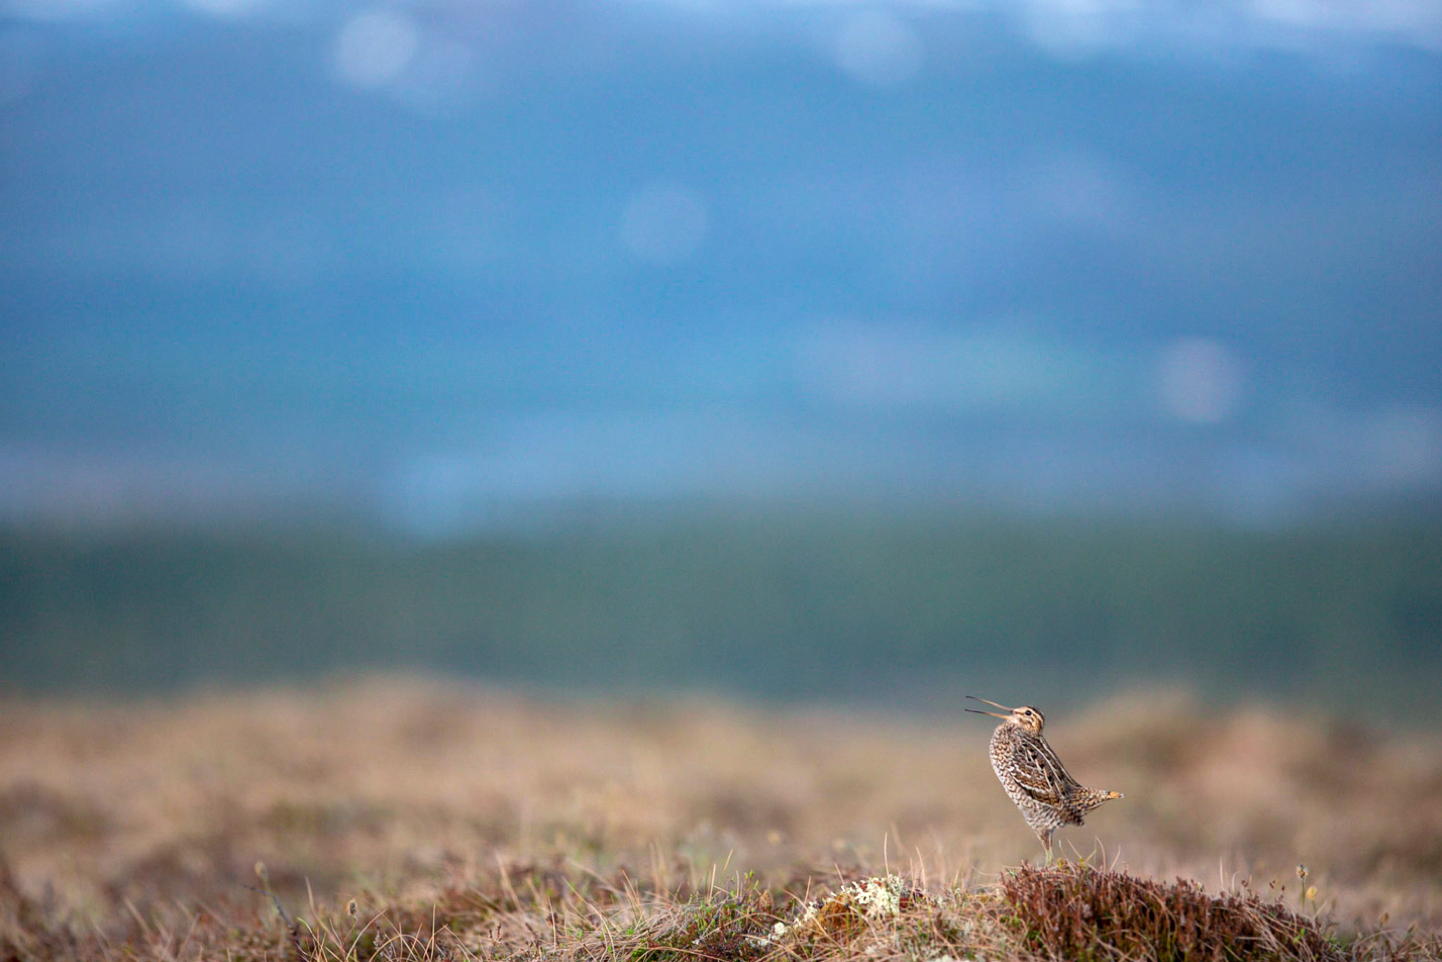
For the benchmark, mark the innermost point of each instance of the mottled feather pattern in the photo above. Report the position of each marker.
(1034, 777)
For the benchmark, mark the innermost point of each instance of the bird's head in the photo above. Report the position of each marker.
(1025, 717)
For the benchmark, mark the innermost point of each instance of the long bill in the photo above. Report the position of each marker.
(993, 714)
(991, 703)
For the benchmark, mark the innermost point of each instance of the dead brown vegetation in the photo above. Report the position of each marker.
(1073, 914)
(472, 823)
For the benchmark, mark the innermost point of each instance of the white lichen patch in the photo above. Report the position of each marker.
(878, 898)
(873, 899)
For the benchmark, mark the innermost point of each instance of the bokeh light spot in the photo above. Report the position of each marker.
(878, 49)
(1199, 380)
(375, 47)
(1072, 29)
(1406, 445)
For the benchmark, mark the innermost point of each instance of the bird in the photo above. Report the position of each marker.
(1034, 778)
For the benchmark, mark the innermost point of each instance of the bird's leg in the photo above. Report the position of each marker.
(1045, 837)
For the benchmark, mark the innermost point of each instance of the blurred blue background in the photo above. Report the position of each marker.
(427, 302)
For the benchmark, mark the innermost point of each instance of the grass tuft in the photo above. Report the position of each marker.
(574, 914)
(723, 926)
(1078, 912)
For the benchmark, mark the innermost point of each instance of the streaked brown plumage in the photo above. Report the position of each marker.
(1034, 778)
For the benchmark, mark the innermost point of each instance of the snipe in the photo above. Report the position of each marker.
(1033, 776)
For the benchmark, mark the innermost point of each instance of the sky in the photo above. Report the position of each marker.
(441, 265)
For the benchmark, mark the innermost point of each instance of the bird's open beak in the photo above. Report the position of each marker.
(993, 704)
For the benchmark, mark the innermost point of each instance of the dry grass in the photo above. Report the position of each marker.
(471, 823)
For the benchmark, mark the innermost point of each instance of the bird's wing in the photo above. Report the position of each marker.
(1042, 775)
